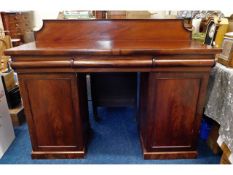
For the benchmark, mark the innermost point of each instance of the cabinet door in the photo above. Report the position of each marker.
(176, 103)
(52, 107)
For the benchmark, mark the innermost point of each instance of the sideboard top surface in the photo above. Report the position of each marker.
(116, 48)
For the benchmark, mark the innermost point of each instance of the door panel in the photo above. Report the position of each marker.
(53, 113)
(173, 107)
(54, 124)
(175, 110)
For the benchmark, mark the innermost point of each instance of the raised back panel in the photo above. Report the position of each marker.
(61, 32)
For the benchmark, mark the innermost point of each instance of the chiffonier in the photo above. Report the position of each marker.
(17, 24)
(174, 73)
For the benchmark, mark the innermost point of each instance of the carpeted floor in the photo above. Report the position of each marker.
(114, 140)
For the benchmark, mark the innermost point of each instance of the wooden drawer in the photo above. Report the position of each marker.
(17, 23)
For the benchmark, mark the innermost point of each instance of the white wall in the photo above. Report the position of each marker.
(227, 12)
(40, 15)
(1, 24)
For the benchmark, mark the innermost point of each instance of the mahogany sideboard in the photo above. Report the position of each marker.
(174, 72)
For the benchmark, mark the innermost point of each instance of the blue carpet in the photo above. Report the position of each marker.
(114, 140)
